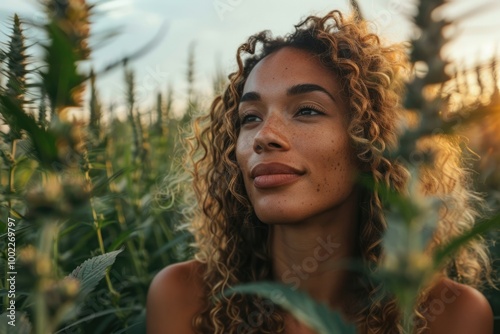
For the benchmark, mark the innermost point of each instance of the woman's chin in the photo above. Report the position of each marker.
(276, 217)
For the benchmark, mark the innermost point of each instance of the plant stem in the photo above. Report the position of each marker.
(12, 170)
(40, 310)
(119, 210)
(47, 235)
(96, 223)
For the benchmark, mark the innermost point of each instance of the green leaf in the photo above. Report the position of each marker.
(22, 323)
(121, 238)
(97, 315)
(61, 80)
(19, 230)
(457, 242)
(90, 272)
(104, 183)
(181, 238)
(44, 141)
(396, 202)
(317, 316)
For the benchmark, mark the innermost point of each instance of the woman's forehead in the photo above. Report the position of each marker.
(288, 67)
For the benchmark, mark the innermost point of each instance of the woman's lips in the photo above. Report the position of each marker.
(270, 175)
(274, 180)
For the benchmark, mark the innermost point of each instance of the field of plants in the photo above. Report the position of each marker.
(86, 216)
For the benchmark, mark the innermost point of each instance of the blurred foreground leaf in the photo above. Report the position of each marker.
(479, 229)
(97, 315)
(317, 316)
(43, 141)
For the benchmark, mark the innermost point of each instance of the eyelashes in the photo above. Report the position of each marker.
(315, 111)
(251, 116)
(248, 117)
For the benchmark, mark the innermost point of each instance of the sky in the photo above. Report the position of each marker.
(217, 27)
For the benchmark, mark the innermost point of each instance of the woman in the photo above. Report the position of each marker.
(275, 167)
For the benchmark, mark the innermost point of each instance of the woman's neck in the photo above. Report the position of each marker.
(310, 256)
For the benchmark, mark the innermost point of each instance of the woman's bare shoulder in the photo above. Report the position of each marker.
(175, 295)
(459, 309)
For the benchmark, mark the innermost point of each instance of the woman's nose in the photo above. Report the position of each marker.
(271, 136)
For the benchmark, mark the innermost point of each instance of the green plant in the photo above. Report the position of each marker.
(80, 189)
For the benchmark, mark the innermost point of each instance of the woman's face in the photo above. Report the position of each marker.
(293, 147)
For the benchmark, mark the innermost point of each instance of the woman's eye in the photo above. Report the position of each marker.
(309, 111)
(249, 119)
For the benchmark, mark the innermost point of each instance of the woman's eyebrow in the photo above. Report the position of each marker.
(308, 88)
(294, 90)
(250, 96)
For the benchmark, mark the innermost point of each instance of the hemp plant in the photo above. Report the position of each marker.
(83, 187)
(413, 218)
(57, 187)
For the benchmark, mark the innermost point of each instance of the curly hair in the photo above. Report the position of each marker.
(233, 245)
